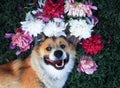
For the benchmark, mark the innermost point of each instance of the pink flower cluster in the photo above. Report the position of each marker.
(20, 39)
(87, 65)
(79, 9)
(62, 13)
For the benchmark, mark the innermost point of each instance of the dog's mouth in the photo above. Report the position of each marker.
(58, 64)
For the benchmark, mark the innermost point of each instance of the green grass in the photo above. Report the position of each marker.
(108, 60)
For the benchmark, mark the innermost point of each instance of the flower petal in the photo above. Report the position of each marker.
(8, 35)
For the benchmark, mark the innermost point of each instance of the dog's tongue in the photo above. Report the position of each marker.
(57, 63)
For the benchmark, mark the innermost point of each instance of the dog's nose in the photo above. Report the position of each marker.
(58, 53)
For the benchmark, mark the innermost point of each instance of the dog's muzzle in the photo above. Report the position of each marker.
(58, 63)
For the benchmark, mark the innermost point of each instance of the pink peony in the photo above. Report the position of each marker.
(21, 39)
(54, 8)
(74, 9)
(87, 65)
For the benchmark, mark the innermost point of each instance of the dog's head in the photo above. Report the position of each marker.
(54, 55)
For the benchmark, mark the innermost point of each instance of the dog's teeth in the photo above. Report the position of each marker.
(61, 64)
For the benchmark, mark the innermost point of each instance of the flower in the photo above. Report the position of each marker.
(79, 9)
(80, 28)
(87, 65)
(54, 8)
(93, 44)
(94, 19)
(22, 39)
(74, 9)
(55, 18)
(8, 35)
(88, 8)
(33, 26)
(42, 16)
(54, 29)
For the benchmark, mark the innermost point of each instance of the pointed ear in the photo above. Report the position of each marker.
(72, 39)
(40, 38)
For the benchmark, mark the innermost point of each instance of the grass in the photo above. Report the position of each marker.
(108, 60)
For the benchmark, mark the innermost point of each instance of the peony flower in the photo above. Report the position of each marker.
(80, 28)
(93, 44)
(21, 39)
(34, 27)
(87, 65)
(54, 29)
(74, 9)
(54, 8)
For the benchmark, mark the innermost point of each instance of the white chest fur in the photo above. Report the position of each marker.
(51, 77)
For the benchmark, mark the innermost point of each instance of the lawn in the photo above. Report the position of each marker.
(107, 74)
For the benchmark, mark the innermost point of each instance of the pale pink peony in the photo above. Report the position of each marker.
(74, 9)
(79, 9)
(87, 65)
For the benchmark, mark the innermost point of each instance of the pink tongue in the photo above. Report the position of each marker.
(58, 62)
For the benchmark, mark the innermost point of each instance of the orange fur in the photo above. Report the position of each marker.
(23, 73)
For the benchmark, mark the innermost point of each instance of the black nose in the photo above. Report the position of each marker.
(58, 53)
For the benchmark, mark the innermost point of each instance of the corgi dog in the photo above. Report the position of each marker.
(48, 66)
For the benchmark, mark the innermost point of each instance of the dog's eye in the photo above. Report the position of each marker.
(62, 46)
(49, 48)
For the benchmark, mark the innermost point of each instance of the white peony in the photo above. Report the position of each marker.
(54, 29)
(80, 28)
(34, 26)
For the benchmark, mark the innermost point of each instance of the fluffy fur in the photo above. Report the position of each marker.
(38, 69)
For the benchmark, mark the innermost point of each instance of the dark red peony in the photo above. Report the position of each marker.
(93, 44)
(54, 8)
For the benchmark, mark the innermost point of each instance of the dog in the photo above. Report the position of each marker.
(48, 66)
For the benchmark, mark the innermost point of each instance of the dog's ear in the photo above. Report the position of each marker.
(72, 39)
(40, 38)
